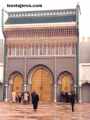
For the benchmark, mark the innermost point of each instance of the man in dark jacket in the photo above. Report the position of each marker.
(35, 100)
(72, 100)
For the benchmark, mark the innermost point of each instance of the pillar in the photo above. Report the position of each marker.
(6, 92)
(55, 82)
(25, 87)
(55, 89)
(80, 94)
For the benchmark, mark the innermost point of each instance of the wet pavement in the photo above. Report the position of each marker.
(11, 111)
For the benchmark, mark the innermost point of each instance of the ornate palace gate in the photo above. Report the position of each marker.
(42, 83)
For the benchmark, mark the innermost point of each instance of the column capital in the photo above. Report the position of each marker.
(6, 84)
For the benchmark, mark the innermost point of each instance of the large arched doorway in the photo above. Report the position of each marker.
(16, 83)
(42, 82)
(85, 92)
(65, 86)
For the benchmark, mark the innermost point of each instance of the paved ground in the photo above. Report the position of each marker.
(10, 111)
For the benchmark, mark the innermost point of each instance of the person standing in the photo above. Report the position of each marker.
(25, 98)
(28, 97)
(13, 96)
(72, 100)
(35, 100)
(19, 97)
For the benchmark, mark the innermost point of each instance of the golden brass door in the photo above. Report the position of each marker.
(42, 83)
(46, 94)
(17, 83)
(36, 81)
(65, 82)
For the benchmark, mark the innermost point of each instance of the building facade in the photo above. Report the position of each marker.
(84, 79)
(1, 69)
(84, 82)
(1, 50)
(41, 53)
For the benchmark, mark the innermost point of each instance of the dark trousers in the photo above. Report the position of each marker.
(72, 104)
(35, 105)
